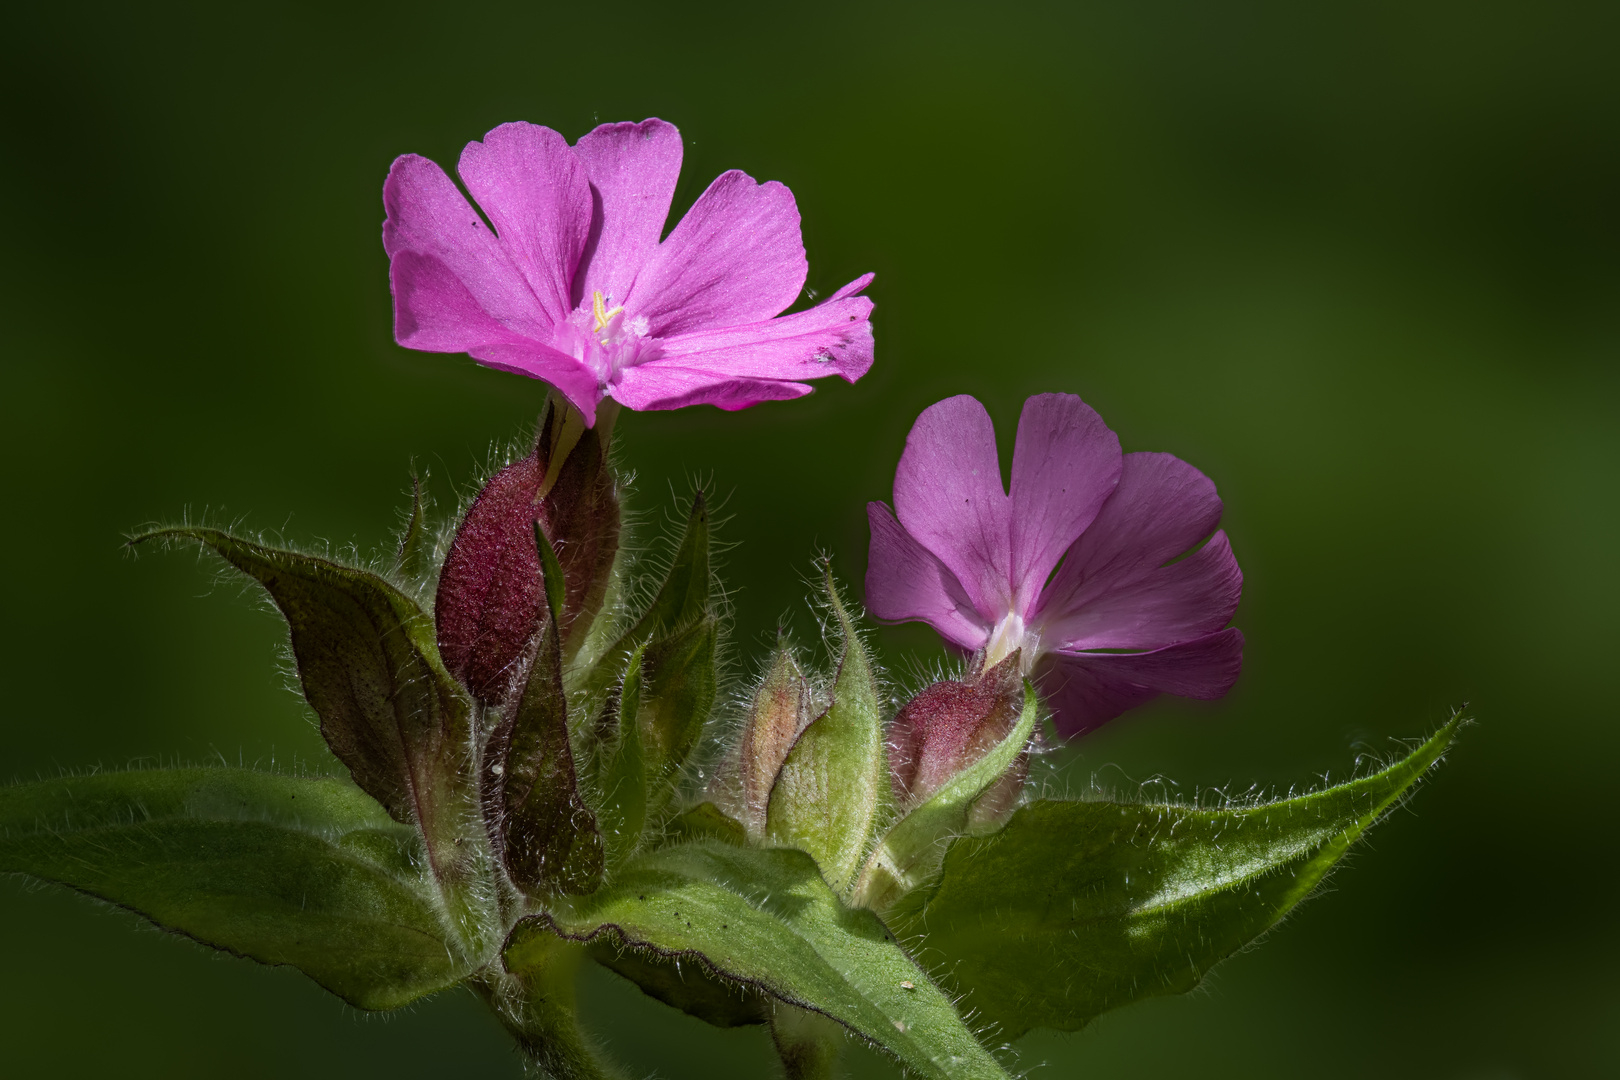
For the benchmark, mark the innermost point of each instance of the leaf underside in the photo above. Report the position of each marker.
(766, 919)
(371, 671)
(303, 871)
(1076, 908)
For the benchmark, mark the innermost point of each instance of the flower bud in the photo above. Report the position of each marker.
(780, 710)
(491, 598)
(950, 725)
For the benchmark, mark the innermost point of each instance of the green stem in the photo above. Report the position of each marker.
(808, 1043)
(538, 1008)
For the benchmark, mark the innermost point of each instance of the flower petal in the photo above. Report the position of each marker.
(833, 338)
(948, 495)
(1115, 590)
(455, 286)
(736, 257)
(1065, 465)
(527, 179)
(1193, 596)
(669, 386)
(633, 169)
(571, 378)
(1086, 690)
(905, 581)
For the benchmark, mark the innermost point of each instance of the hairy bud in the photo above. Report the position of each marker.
(950, 725)
(491, 598)
(780, 710)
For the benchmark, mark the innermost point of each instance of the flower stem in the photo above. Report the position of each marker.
(808, 1043)
(538, 1008)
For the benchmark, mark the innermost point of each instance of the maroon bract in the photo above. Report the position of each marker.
(1079, 565)
(950, 725)
(491, 597)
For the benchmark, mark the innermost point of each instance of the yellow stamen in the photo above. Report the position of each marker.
(603, 316)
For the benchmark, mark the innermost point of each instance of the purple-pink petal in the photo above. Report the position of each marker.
(905, 581)
(455, 286)
(534, 191)
(669, 386)
(1066, 463)
(1118, 587)
(736, 257)
(633, 169)
(1194, 596)
(948, 495)
(833, 338)
(574, 380)
(1086, 690)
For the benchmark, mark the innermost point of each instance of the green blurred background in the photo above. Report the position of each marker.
(1358, 262)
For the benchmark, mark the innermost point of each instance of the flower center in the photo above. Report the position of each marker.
(1010, 634)
(605, 337)
(600, 314)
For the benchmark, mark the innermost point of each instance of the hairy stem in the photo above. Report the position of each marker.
(808, 1043)
(538, 1008)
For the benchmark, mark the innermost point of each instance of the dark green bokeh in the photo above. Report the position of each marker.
(1357, 262)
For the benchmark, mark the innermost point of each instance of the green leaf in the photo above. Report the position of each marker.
(286, 870)
(835, 783)
(541, 827)
(370, 669)
(1079, 907)
(766, 919)
(910, 854)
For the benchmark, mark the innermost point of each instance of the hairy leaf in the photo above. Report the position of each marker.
(911, 852)
(766, 919)
(1079, 907)
(371, 671)
(835, 784)
(286, 870)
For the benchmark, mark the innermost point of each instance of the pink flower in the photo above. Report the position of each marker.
(1083, 565)
(574, 287)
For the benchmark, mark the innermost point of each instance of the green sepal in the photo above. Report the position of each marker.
(766, 919)
(682, 599)
(370, 669)
(304, 871)
(540, 825)
(834, 785)
(910, 853)
(621, 775)
(1075, 908)
(679, 682)
(413, 558)
(705, 821)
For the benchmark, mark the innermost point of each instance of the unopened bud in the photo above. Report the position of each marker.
(950, 725)
(491, 598)
(780, 710)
